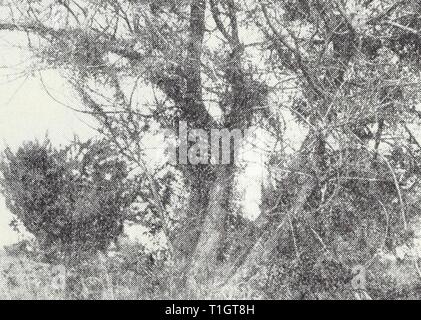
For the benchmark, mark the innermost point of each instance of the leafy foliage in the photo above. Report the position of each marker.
(73, 200)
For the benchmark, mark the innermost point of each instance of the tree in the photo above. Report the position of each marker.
(242, 58)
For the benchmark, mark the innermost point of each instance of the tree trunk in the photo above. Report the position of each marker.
(270, 236)
(186, 237)
(262, 251)
(203, 261)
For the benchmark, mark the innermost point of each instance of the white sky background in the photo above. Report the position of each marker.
(28, 112)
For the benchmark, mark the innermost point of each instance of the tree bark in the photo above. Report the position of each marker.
(186, 237)
(269, 235)
(204, 260)
(261, 252)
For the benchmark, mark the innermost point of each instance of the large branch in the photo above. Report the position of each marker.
(294, 51)
(188, 100)
(193, 111)
(269, 235)
(265, 247)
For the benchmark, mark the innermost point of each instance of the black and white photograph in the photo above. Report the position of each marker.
(210, 150)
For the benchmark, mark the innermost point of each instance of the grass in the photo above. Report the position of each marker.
(24, 279)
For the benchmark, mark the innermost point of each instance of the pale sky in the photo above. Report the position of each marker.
(28, 111)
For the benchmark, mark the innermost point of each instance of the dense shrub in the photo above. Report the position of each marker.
(72, 200)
